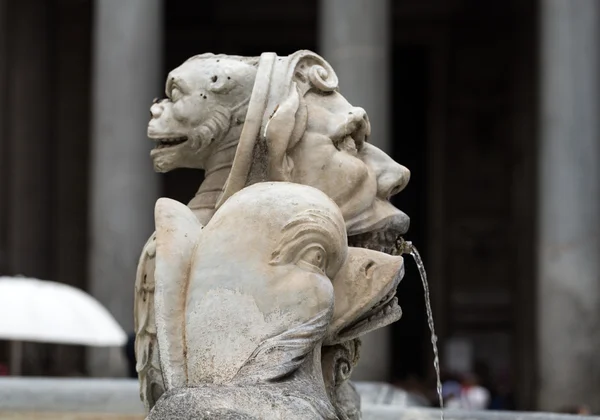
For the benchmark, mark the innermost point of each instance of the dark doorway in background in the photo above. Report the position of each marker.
(411, 357)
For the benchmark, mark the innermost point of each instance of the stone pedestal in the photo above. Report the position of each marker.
(126, 77)
(354, 37)
(568, 295)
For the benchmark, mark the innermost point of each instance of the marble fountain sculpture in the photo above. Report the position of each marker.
(251, 300)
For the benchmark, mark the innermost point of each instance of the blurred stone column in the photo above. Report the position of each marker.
(27, 150)
(3, 134)
(127, 68)
(568, 295)
(29, 139)
(354, 37)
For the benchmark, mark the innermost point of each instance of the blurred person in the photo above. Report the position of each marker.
(473, 396)
(467, 394)
(451, 391)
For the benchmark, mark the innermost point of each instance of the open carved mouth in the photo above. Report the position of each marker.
(380, 316)
(387, 241)
(162, 143)
(386, 310)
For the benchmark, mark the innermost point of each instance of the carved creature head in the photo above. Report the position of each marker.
(206, 96)
(246, 298)
(296, 128)
(365, 290)
(313, 136)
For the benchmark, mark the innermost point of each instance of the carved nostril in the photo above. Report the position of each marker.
(395, 191)
(397, 179)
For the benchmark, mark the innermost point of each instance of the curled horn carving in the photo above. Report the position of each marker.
(312, 70)
(323, 78)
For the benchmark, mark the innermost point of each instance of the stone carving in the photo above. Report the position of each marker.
(365, 300)
(246, 120)
(244, 304)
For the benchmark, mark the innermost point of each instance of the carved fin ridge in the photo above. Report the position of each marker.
(177, 235)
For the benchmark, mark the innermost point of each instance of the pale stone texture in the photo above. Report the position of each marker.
(127, 62)
(246, 120)
(243, 304)
(569, 205)
(354, 38)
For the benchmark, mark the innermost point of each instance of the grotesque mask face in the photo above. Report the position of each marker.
(335, 157)
(323, 138)
(361, 178)
(206, 95)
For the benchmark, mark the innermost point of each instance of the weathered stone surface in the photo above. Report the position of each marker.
(246, 120)
(370, 413)
(244, 304)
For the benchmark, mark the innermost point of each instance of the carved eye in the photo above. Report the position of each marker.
(314, 257)
(368, 268)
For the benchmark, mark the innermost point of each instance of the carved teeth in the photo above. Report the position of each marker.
(168, 142)
(382, 241)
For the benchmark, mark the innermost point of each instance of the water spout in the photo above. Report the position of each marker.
(406, 247)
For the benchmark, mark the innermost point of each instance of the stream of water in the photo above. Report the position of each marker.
(409, 248)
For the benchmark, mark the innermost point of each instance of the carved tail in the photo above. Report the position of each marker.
(177, 234)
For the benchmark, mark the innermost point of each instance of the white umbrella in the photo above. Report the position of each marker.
(50, 312)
